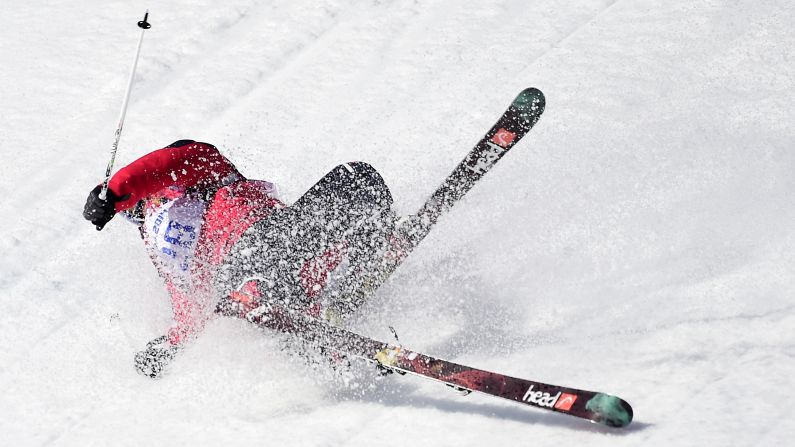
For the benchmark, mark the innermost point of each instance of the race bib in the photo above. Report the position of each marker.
(173, 230)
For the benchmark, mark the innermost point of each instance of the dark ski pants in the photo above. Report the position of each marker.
(351, 205)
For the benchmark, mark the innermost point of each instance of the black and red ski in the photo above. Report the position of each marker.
(593, 406)
(513, 125)
(510, 128)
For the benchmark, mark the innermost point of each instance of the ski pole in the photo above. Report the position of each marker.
(144, 25)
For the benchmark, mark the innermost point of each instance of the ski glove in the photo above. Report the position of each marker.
(152, 360)
(99, 211)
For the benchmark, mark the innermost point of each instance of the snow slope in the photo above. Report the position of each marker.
(640, 240)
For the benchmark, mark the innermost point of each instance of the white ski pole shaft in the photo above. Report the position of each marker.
(144, 25)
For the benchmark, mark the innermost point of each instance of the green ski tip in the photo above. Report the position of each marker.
(610, 410)
(529, 106)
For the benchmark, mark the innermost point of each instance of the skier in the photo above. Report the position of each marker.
(226, 244)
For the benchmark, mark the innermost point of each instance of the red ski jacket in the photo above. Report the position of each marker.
(196, 205)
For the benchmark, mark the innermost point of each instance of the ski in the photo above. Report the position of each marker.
(510, 128)
(513, 125)
(593, 406)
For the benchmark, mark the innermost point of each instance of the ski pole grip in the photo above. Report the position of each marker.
(143, 23)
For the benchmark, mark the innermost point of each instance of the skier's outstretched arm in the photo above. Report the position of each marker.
(184, 164)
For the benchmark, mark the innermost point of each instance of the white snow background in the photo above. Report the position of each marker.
(640, 241)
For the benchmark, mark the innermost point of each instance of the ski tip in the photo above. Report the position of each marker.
(529, 105)
(610, 410)
(530, 96)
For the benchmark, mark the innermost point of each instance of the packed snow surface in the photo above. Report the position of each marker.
(640, 241)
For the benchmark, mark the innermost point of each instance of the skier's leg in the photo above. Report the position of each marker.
(350, 204)
(267, 253)
(350, 197)
(354, 185)
(355, 197)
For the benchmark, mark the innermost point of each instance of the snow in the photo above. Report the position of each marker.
(639, 242)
